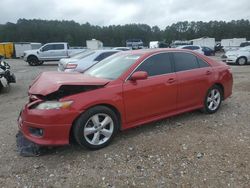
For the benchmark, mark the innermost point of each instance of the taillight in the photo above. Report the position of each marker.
(71, 66)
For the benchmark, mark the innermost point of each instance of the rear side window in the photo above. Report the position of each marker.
(202, 63)
(104, 55)
(58, 46)
(185, 61)
(156, 65)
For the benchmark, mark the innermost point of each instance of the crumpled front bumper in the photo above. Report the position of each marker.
(55, 124)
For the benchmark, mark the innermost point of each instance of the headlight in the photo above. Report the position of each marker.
(49, 105)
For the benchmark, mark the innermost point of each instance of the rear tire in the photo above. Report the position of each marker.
(96, 127)
(213, 100)
(33, 61)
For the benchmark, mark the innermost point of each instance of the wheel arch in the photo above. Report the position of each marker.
(112, 107)
(32, 55)
(220, 85)
(242, 57)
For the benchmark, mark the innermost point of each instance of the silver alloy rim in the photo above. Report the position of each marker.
(213, 99)
(242, 61)
(98, 129)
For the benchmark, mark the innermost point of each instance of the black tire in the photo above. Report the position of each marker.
(40, 62)
(210, 109)
(85, 121)
(241, 61)
(33, 61)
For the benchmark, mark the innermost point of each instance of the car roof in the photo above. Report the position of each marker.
(106, 50)
(155, 50)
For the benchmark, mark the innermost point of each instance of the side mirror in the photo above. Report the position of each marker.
(139, 75)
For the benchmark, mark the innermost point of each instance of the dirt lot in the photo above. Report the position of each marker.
(189, 150)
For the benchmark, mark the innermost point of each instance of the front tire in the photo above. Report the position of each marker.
(96, 127)
(242, 61)
(213, 100)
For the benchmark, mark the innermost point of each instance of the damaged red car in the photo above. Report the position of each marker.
(123, 91)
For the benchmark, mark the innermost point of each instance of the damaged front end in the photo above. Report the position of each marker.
(52, 101)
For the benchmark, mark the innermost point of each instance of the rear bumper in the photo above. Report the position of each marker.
(55, 124)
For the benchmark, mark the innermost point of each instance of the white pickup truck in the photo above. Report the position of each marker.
(49, 52)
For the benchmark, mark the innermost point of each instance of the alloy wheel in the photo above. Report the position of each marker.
(213, 99)
(98, 129)
(242, 61)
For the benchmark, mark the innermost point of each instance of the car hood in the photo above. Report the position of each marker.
(49, 82)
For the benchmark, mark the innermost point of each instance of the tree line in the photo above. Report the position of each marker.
(76, 34)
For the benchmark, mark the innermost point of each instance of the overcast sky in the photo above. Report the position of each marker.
(108, 12)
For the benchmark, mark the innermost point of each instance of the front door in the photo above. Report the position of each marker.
(155, 95)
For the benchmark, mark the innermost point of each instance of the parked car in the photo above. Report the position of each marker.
(122, 48)
(84, 60)
(208, 51)
(134, 43)
(240, 57)
(122, 91)
(244, 44)
(49, 52)
(195, 48)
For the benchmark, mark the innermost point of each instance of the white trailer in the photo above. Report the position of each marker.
(94, 44)
(154, 44)
(232, 44)
(20, 47)
(204, 41)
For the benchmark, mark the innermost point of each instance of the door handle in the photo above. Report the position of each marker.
(208, 72)
(171, 80)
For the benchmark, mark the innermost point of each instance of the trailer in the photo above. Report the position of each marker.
(94, 44)
(20, 47)
(232, 44)
(204, 41)
(7, 49)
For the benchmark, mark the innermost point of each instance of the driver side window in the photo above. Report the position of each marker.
(47, 47)
(157, 65)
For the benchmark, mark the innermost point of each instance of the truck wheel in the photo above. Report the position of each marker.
(33, 61)
(40, 62)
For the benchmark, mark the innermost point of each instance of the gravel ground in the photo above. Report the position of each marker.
(189, 150)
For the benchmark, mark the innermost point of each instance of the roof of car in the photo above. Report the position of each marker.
(155, 50)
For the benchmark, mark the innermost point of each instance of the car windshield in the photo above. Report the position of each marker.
(82, 55)
(112, 67)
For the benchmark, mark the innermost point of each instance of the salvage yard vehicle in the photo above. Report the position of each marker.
(49, 52)
(84, 60)
(208, 51)
(192, 47)
(240, 57)
(125, 90)
(6, 77)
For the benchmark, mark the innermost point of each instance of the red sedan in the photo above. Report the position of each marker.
(123, 91)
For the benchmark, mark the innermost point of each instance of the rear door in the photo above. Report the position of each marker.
(155, 95)
(59, 51)
(194, 77)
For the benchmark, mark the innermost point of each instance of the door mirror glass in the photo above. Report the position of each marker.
(139, 75)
